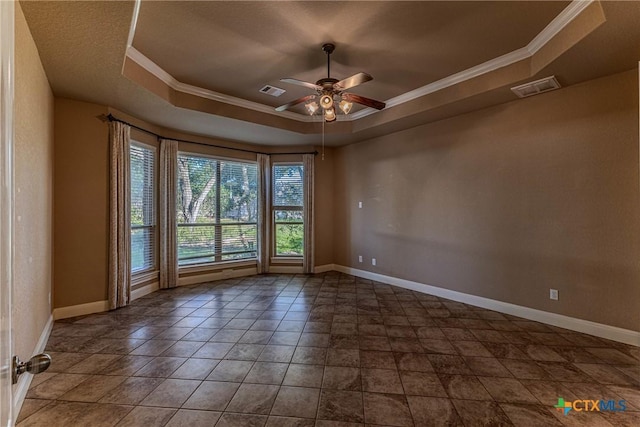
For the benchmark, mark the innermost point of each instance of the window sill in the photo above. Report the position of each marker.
(144, 277)
(201, 268)
(286, 260)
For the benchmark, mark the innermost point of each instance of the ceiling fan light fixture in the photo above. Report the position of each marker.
(345, 106)
(330, 114)
(312, 107)
(326, 101)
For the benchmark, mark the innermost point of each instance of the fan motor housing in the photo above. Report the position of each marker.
(327, 83)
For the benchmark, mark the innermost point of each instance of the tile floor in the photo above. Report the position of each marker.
(323, 350)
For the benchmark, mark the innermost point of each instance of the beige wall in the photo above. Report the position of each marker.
(33, 166)
(323, 207)
(507, 202)
(81, 192)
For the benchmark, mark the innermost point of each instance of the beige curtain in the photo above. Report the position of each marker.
(167, 217)
(264, 212)
(119, 217)
(308, 260)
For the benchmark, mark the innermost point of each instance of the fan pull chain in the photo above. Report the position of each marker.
(322, 138)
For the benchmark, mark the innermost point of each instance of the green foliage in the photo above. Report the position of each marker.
(289, 239)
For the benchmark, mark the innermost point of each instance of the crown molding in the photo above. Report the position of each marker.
(568, 14)
(153, 68)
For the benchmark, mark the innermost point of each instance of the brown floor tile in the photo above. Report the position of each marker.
(253, 399)
(329, 350)
(30, 407)
(93, 363)
(171, 393)
(341, 378)
(422, 384)
(276, 353)
(309, 355)
(56, 386)
(195, 369)
(605, 374)
(241, 420)
(525, 369)
(530, 415)
(378, 359)
(547, 392)
(413, 362)
(131, 391)
(343, 357)
(256, 337)
(230, 370)
(301, 402)
(160, 367)
(304, 375)
(487, 367)
(93, 388)
(267, 373)
(341, 406)
(481, 413)
(507, 390)
(147, 416)
(464, 387)
(212, 396)
(77, 414)
(187, 417)
(447, 364)
(387, 409)
(127, 365)
(471, 349)
(381, 381)
(433, 412)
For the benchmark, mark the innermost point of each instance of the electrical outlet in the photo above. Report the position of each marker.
(553, 294)
(359, 205)
(373, 261)
(359, 258)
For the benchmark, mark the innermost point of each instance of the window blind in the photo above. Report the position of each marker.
(143, 208)
(216, 210)
(288, 202)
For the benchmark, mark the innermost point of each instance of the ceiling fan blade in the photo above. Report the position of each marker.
(302, 83)
(353, 81)
(378, 105)
(296, 102)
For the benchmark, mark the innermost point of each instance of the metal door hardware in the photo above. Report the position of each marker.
(35, 365)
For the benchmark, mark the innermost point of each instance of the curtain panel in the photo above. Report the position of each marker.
(308, 262)
(167, 214)
(264, 212)
(119, 216)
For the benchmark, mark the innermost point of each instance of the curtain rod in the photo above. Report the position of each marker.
(111, 118)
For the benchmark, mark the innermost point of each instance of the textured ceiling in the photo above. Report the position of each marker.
(234, 48)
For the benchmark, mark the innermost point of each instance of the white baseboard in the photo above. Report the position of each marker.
(218, 275)
(324, 268)
(145, 290)
(579, 325)
(24, 381)
(80, 309)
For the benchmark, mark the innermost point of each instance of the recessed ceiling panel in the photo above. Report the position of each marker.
(235, 48)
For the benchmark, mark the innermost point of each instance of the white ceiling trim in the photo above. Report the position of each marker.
(569, 13)
(574, 9)
(139, 58)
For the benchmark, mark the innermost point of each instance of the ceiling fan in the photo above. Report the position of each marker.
(331, 92)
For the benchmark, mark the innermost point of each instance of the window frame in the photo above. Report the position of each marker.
(275, 258)
(218, 261)
(150, 271)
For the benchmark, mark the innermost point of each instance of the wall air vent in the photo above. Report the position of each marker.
(539, 86)
(272, 90)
